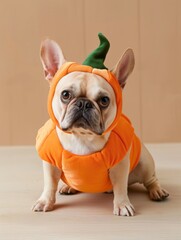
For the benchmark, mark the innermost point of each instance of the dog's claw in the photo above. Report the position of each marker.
(158, 194)
(124, 209)
(42, 206)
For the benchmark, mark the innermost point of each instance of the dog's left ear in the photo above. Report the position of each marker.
(124, 67)
(51, 57)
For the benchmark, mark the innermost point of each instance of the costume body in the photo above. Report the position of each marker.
(89, 173)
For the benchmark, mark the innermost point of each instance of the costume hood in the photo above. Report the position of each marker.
(94, 63)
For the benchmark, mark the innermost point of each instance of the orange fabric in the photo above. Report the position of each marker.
(89, 173)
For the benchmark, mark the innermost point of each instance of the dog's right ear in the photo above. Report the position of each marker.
(51, 57)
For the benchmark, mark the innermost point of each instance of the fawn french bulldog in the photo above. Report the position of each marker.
(88, 142)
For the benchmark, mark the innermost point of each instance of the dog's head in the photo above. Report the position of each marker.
(84, 99)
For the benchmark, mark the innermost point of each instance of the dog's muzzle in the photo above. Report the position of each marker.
(83, 117)
(83, 114)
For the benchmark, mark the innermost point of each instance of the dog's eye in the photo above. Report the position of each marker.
(66, 96)
(104, 102)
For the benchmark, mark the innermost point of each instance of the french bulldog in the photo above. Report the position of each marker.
(83, 107)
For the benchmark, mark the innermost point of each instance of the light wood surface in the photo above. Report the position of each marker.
(152, 97)
(86, 216)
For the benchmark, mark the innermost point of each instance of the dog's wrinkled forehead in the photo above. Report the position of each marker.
(84, 85)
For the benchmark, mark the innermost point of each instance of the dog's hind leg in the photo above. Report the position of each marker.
(145, 173)
(67, 190)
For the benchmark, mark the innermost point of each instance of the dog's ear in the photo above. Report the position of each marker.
(124, 67)
(51, 57)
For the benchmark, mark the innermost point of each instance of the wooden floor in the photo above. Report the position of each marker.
(86, 216)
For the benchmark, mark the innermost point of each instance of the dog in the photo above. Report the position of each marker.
(88, 142)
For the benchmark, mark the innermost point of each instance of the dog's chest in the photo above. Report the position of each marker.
(81, 143)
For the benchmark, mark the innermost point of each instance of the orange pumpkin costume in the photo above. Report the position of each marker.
(88, 173)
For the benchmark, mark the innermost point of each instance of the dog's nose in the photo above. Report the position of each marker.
(84, 104)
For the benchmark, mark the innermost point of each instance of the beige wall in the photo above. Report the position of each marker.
(152, 97)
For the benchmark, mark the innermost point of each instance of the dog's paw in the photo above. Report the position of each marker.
(66, 190)
(124, 209)
(157, 193)
(43, 205)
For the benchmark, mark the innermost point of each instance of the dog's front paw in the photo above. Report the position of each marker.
(43, 205)
(124, 208)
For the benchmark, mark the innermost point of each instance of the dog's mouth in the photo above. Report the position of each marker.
(88, 120)
(82, 122)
